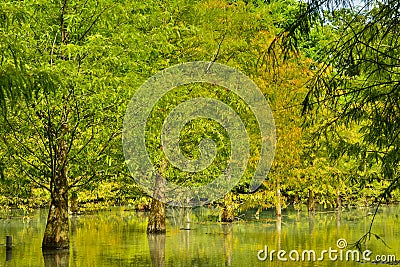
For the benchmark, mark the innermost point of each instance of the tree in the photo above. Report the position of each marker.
(63, 140)
(357, 81)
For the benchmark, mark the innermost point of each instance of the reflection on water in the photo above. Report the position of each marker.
(8, 255)
(157, 249)
(56, 258)
(228, 246)
(311, 221)
(118, 238)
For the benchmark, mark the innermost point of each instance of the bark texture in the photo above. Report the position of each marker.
(228, 210)
(311, 201)
(56, 235)
(156, 223)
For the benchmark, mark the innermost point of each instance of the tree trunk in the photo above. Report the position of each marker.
(228, 209)
(338, 200)
(278, 207)
(311, 201)
(74, 203)
(296, 203)
(156, 222)
(278, 202)
(56, 235)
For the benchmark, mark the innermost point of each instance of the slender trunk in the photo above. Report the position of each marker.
(311, 201)
(296, 203)
(338, 200)
(279, 225)
(278, 205)
(74, 203)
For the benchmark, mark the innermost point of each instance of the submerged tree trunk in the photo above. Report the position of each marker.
(278, 205)
(74, 203)
(56, 235)
(311, 201)
(296, 203)
(156, 223)
(228, 210)
(338, 200)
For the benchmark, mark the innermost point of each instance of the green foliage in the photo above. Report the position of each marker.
(358, 86)
(21, 74)
(84, 69)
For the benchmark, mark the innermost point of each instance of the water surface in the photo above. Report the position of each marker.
(117, 237)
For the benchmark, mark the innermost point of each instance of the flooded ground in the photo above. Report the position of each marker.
(117, 237)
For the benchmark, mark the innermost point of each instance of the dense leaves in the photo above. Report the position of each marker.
(79, 62)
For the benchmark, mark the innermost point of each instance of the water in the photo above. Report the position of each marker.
(117, 237)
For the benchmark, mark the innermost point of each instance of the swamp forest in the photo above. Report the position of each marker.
(318, 181)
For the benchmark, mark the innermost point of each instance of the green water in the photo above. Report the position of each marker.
(117, 237)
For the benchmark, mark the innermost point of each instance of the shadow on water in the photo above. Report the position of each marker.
(56, 258)
(157, 249)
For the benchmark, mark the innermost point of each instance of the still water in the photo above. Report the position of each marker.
(117, 237)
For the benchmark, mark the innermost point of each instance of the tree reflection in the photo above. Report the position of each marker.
(228, 243)
(56, 258)
(157, 249)
(8, 255)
